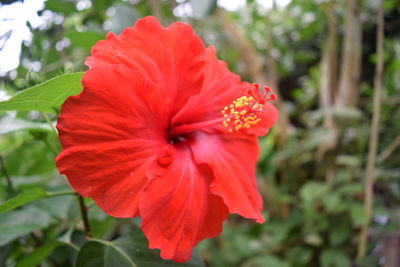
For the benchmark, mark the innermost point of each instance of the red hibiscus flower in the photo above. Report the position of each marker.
(163, 130)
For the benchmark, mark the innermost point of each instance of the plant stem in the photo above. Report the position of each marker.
(389, 150)
(84, 216)
(49, 122)
(60, 193)
(54, 130)
(374, 137)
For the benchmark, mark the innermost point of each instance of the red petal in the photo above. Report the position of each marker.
(232, 159)
(173, 56)
(108, 133)
(178, 208)
(268, 117)
(219, 89)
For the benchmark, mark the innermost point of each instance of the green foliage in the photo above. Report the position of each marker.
(38, 255)
(313, 196)
(22, 199)
(84, 39)
(332, 258)
(27, 197)
(130, 250)
(21, 222)
(46, 97)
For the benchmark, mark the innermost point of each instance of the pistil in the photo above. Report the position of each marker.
(243, 113)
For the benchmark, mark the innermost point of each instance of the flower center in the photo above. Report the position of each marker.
(243, 113)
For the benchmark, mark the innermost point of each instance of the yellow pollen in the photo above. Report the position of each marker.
(241, 114)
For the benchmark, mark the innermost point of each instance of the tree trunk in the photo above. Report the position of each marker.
(328, 69)
(328, 88)
(350, 68)
(391, 250)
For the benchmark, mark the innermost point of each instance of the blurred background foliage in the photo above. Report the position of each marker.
(318, 55)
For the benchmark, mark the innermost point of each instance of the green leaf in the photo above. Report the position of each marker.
(129, 251)
(21, 222)
(334, 258)
(60, 6)
(22, 199)
(313, 191)
(57, 207)
(29, 196)
(95, 253)
(47, 96)
(332, 202)
(38, 255)
(340, 232)
(357, 214)
(84, 39)
(299, 255)
(266, 260)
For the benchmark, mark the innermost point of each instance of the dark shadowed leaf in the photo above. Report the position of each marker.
(38, 255)
(334, 258)
(128, 251)
(21, 222)
(265, 260)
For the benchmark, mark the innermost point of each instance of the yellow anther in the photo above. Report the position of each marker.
(242, 113)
